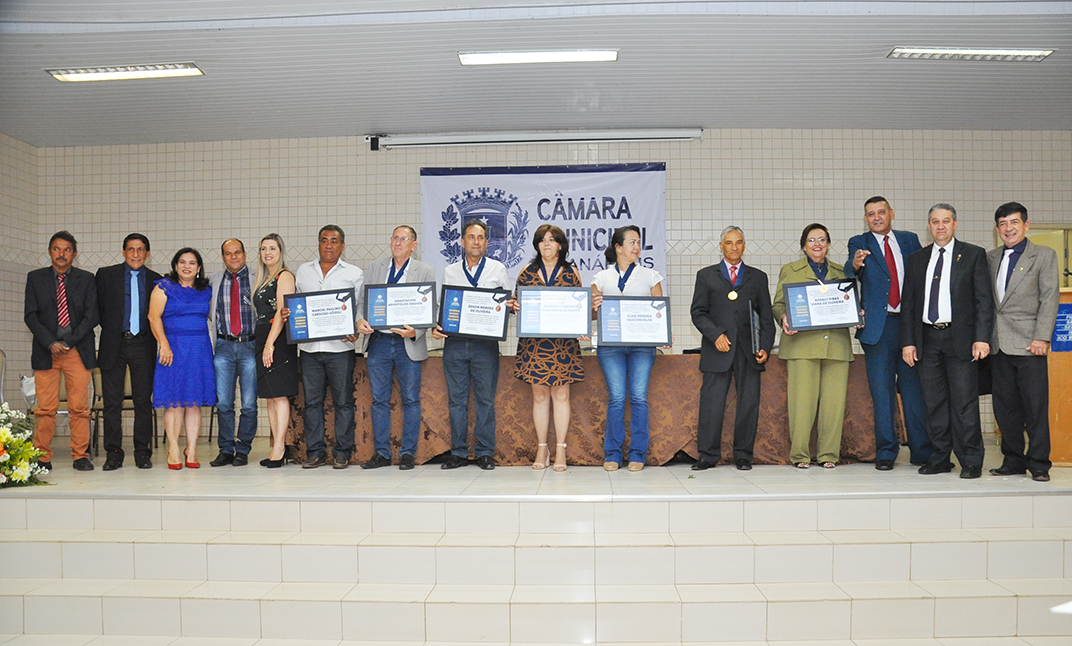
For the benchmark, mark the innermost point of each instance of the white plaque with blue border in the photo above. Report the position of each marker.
(822, 306)
(321, 316)
(400, 304)
(554, 312)
(634, 321)
(475, 313)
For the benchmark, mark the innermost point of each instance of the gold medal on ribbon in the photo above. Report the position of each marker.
(823, 289)
(732, 295)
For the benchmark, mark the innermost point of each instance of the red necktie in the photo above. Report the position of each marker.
(61, 302)
(236, 311)
(733, 274)
(895, 286)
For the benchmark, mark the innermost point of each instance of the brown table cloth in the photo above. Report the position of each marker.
(673, 397)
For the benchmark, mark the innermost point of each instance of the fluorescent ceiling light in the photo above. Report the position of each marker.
(125, 72)
(968, 54)
(514, 138)
(516, 58)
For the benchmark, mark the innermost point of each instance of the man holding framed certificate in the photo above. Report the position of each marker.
(328, 363)
(470, 360)
(398, 352)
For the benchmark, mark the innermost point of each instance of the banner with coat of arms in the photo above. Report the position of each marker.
(587, 202)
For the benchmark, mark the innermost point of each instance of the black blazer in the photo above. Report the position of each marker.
(714, 314)
(969, 293)
(41, 315)
(111, 299)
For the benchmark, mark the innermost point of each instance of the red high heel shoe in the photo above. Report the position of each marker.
(176, 466)
(189, 465)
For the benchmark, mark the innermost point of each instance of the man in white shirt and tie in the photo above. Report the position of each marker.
(1026, 296)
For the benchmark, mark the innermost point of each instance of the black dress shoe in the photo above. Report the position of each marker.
(454, 461)
(1005, 470)
(314, 462)
(1040, 476)
(932, 468)
(143, 462)
(744, 465)
(44, 465)
(82, 464)
(884, 465)
(377, 461)
(240, 460)
(222, 459)
(702, 465)
(406, 463)
(485, 462)
(340, 462)
(970, 473)
(113, 462)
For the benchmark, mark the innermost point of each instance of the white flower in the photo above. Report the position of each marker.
(5, 457)
(22, 473)
(3, 478)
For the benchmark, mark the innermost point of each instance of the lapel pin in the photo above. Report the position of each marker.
(958, 257)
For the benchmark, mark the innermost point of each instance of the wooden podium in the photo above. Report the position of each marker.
(1061, 401)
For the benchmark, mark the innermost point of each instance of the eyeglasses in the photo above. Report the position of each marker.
(402, 239)
(817, 240)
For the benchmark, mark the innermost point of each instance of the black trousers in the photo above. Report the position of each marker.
(716, 386)
(139, 354)
(951, 395)
(1022, 405)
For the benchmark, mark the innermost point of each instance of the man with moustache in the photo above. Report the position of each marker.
(126, 343)
(1026, 297)
(948, 314)
(396, 354)
(327, 364)
(61, 312)
(877, 258)
(725, 296)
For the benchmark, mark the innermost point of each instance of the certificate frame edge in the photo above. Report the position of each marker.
(435, 305)
(286, 303)
(587, 290)
(649, 344)
(847, 326)
(460, 335)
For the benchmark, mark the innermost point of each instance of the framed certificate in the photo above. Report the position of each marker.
(400, 304)
(631, 320)
(554, 312)
(474, 313)
(321, 316)
(822, 306)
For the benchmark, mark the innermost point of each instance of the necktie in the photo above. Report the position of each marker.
(135, 305)
(936, 282)
(236, 311)
(1003, 274)
(895, 284)
(733, 275)
(61, 302)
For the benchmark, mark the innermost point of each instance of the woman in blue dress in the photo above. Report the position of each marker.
(184, 380)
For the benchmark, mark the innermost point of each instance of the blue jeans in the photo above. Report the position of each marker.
(886, 374)
(465, 362)
(321, 370)
(387, 359)
(235, 362)
(626, 370)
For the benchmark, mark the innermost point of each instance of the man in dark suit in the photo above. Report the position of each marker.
(948, 316)
(725, 296)
(876, 258)
(61, 312)
(126, 342)
(1026, 297)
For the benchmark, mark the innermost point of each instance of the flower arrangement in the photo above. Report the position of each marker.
(18, 457)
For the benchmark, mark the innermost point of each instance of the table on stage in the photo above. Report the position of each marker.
(673, 396)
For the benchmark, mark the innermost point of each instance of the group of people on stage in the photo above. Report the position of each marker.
(189, 341)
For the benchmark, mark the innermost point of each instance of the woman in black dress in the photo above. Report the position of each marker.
(277, 372)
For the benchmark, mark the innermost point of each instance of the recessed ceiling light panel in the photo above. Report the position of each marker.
(127, 72)
(970, 54)
(518, 58)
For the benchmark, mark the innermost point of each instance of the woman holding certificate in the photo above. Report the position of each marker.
(626, 368)
(817, 360)
(549, 365)
(277, 365)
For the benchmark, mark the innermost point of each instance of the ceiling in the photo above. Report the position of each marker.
(279, 69)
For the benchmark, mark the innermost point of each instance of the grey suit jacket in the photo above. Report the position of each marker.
(417, 272)
(1029, 309)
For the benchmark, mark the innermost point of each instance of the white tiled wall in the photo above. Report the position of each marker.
(770, 182)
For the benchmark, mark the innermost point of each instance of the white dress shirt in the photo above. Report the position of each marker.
(640, 281)
(898, 259)
(945, 303)
(493, 276)
(309, 278)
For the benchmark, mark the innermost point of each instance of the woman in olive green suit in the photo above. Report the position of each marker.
(817, 360)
